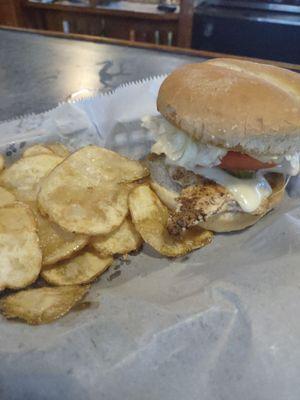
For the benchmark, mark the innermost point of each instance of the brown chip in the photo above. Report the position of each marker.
(23, 177)
(6, 197)
(57, 243)
(43, 305)
(123, 240)
(81, 269)
(88, 192)
(37, 150)
(21, 257)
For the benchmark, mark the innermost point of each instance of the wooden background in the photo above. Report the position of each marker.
(142, 25)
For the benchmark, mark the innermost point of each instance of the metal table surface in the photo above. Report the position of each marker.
(37, 72)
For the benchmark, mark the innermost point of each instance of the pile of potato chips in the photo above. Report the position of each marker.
(63, 217)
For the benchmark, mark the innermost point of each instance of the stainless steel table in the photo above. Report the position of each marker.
(37, 72)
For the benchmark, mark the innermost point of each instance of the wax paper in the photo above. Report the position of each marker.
(221, 323)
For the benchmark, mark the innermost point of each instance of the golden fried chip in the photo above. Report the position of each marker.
(22, 178)
(2, 163)
(150, 218)
(43, 305)
(87, 192)
(59, 149)
(37, 150)
(21, 257)
(123, 240)
(83, 268)
(57, 243)
(97, 164)
(80, 208)
(6, 197)
(168, 197)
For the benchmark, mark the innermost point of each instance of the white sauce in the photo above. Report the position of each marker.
(202, 159)
(248, 193)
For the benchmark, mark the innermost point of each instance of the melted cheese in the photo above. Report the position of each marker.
(248, 193)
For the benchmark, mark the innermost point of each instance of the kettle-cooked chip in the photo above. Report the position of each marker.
(83, 268)
(37, 150)
(79, 207)
(2, 163)
(150, 218)
(22, 178)
(6, 197)
(42, 305)
(87, 193)
(59, 149)
(97, 164)
(123, 240)
(57, 243)
(21, 257)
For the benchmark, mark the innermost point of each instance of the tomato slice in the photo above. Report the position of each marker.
(239, 161)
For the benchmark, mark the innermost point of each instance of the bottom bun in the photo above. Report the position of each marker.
(236, 221)
(230, 221)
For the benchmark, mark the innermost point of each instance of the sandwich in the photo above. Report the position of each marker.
(226, 141)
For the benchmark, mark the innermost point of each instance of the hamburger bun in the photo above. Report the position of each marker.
(239, 105)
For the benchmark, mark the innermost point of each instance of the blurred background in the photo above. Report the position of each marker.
(268, 29)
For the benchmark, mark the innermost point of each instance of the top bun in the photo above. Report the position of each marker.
(239, 105)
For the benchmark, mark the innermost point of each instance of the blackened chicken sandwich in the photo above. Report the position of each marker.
(226, 140)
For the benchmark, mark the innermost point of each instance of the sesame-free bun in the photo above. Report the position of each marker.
(240, 105)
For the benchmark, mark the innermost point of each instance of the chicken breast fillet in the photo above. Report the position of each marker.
(199, 202)
(198, 198)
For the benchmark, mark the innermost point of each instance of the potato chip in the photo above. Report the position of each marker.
(83, 268)
(56, 243)
(150, 218)
(59, 149)
(2, 163)
(168, 197)
(42, 305)
(37, 150)
(22, 178)
(6, 197)
(97, 164)
(21, 257)
(87, 192)
(84, 209)
(123, 240)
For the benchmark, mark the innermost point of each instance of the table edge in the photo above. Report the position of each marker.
(146, 46)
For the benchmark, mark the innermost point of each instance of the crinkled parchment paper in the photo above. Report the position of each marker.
(221, 323)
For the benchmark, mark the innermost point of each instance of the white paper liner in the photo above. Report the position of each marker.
(220, 323)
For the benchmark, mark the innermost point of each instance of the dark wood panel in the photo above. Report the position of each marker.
(7, 13)
(185, 26)
(158, 28)
(153, 31)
